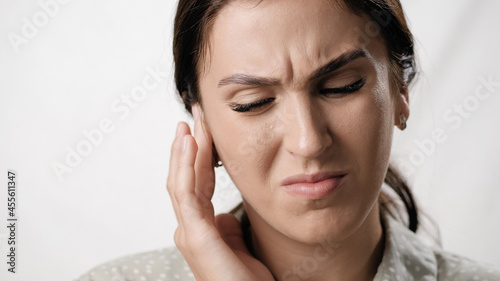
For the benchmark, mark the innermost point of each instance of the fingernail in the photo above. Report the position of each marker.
(178, 130)
(184, 143)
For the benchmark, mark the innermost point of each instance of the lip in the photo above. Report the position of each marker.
(313, 186)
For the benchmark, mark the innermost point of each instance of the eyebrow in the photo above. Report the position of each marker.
(249, 80)
(336, 63)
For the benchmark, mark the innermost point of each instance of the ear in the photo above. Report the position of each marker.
(402, 107)
(199, 110)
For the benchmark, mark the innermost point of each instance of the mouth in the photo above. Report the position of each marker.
(313, 186)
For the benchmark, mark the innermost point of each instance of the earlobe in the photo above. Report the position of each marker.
(215, 157)
(402, 122)
(402, 109)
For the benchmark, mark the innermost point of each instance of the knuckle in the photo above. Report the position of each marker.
(177, 236)
(180, 240)
(170, 184)
(179, 194)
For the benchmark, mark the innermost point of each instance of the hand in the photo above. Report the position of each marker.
(212, 246)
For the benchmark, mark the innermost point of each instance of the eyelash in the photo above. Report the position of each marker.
(251, 106)
(356, 86)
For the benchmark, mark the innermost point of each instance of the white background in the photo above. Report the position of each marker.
(90, 54)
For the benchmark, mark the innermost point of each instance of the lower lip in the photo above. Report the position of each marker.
(316, 190)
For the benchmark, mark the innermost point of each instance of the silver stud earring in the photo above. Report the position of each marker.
(215, 161)
(402, 120)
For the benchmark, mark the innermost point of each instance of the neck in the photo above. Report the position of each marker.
(355, 258)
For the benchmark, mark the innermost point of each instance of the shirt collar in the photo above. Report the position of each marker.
(405, 256)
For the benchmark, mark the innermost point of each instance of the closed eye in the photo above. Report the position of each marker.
(250, 106)
(356, 86)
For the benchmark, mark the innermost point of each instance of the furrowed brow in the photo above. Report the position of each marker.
(247, 80)
(338, 63)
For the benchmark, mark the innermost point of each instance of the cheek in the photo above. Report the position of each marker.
(246, 148)
(371, 126)
(383, 117)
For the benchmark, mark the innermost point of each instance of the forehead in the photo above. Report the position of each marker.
(270, 37)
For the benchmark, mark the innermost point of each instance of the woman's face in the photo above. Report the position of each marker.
(323, 102)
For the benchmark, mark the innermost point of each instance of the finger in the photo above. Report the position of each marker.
(184, 190)
(175, 154)
(230, 230)
(175, 151)
(205, 177)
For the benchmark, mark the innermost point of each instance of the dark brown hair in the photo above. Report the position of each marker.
(191, 27)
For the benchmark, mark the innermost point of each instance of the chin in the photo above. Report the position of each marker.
(327, 227)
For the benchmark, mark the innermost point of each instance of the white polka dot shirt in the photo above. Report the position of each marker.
(406, 258)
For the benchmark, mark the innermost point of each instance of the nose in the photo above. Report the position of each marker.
(306, 131)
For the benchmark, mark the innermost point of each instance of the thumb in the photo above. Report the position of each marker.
(230, 230)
